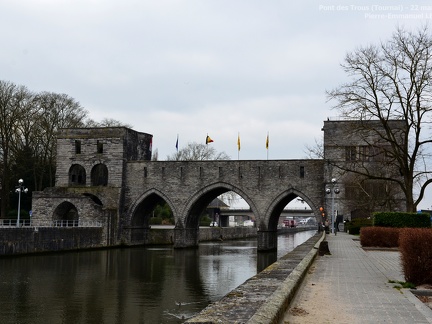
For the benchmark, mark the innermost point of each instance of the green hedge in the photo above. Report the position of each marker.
(155, 220)
(354, 226)
(204, 221)
(397, 219)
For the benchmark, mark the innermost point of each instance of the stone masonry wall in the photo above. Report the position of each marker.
(26, 240)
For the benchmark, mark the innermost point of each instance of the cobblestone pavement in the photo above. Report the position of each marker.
(352, 286)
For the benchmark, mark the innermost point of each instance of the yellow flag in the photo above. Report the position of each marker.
(267, 141)
(238, 141)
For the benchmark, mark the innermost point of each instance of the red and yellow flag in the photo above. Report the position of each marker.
(208, 139)
(238, 142)
(267, 141)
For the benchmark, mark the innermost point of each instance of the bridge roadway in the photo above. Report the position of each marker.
(265, 297)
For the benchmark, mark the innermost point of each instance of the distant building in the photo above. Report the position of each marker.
(357, 145)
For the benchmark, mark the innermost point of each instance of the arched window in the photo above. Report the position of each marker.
(77, 175)
(99, 175)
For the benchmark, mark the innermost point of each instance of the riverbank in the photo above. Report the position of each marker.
(270, 291)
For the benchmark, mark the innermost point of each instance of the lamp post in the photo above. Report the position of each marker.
(20, 188)
(332, 190)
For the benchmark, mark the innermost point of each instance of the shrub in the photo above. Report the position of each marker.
(379, 236)
(12, 214)
(204, 221)
(354, 225)
(392, 219)
(415, 245)
(155, 220)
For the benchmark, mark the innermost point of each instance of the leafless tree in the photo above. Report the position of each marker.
(197, 152)
(106, 122)
(13, 100)
(315, 151)
(55, 111)
(393, 81)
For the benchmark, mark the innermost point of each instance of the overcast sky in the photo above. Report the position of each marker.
(197, 67)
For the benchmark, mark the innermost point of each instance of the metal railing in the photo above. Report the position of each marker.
(54, 223)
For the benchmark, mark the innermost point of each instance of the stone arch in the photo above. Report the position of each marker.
(99, 175)
(66, 214)
(201, 199)
(77, 175)
(140, 211)
(278, 204)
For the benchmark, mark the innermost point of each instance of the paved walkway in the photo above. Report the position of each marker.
(352, 286)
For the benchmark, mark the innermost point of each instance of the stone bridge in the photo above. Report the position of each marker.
(105, 174)
(189, 187)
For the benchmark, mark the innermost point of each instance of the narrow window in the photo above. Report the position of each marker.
(220, 172)
(302, 172)
(163, 172)
(77, 147)
(181, 172)
(350, 153)
(99, 147)
(240, 173)
(200, 172)
(145, 172)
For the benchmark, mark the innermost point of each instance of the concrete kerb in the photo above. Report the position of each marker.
(274, 309)
(425, 310)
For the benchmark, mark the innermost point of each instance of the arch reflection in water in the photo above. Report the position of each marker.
(133, 285)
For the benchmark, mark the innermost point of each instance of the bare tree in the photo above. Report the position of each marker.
(197, 152)
(315, 151)
(393, 82)
(55, 111)
(12, 103)
(106, 122)
(155, 155)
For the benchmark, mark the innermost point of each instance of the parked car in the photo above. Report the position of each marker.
(248, 223)
(214, 224)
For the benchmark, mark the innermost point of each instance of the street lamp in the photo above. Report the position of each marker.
(20, 188)
(332, 190)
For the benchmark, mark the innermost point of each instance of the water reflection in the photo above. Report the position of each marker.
(134, 285)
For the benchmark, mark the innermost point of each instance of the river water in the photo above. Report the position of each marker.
(130, 285)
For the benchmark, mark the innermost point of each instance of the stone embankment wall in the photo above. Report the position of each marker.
(26, 240)
(165, 236)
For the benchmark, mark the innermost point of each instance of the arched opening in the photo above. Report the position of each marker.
(292, 211)
(153, 210)
(77, 175)
(229, 210)
(99, 175)
(302, 213)
(220, 207)
(66, 214)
